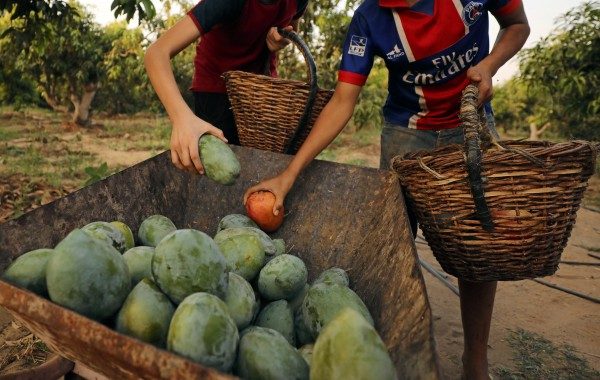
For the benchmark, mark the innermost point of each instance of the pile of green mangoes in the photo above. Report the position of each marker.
(236, 302)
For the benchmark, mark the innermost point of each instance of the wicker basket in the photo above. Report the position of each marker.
(276, 114)
(518, 227)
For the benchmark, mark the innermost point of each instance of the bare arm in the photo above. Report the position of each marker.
(329, 124)
(158, 65)
(514, 30)
(187, 127)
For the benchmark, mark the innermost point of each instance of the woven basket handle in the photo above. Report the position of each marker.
(312, 82)
(477, 138)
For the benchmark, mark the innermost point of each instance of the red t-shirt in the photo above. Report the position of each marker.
(233, 37)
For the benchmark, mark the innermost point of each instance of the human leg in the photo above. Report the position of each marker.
(476, 298)
(476, 307)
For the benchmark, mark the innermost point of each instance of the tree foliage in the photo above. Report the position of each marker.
(323, 27)
(559, 80)
(36, 10)
(112, 56)
(63, 60)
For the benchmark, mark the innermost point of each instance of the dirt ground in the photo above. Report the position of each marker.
(561, 318)
(529, 318)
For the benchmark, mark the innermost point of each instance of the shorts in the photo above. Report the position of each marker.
(215, 108)
(397, 141)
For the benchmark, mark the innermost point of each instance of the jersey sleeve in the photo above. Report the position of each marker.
(302, 4)
(503, 7)
(209, 13)
(358, 52)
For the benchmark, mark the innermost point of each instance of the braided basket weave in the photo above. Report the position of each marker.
(276, 114)
(504, 214)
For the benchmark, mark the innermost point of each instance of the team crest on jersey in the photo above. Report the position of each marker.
(395, 53)
(472, 12)
(358, 44)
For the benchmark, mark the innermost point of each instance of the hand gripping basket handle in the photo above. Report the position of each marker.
(477, 138)
(312, 82)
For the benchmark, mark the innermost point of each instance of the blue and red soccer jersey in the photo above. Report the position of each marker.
(427, 49)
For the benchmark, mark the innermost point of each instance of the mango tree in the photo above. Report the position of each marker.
(563, 71)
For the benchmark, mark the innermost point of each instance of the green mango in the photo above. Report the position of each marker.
(265, 240)
(244, 255)
(264, 354)
(107, 232)
(333, 275)
(29, 271)
(307, 352)
(202, 330)
(235, 220)
(279, 317)
(241, 301)
(280, 245)
(220, 163)
(324, 301)
(146, 314)
(350, 348)
(139, 262)
(127, 234)
(87, 275)
(188, 261)
(282, 278)
(154, 228)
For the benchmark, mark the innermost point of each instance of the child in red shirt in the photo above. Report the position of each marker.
(233, 35)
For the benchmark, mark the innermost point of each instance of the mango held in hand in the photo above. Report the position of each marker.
(88, 276)
(146, 314)
(350, 348)
(203, 331)
(220, 163)
(259, 207)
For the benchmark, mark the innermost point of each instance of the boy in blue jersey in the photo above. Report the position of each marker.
(432, 49)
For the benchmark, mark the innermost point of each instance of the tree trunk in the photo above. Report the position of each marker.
(535, 133)
(81, 112)
(52, 101)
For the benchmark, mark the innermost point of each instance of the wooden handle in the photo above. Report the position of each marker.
(474, 128)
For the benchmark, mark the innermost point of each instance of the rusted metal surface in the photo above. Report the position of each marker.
(338, 215)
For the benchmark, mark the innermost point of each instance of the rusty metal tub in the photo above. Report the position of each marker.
(338, 215)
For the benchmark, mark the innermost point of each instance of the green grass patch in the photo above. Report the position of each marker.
(536, 357)
(357, 162)
(365, 136)
(144, 134)
(328, 154)
(7, 134)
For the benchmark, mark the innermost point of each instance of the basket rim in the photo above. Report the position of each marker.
(252, 79)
